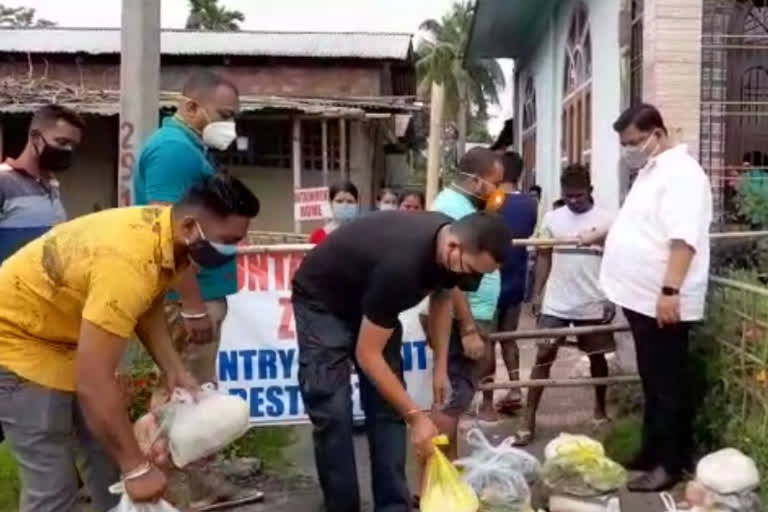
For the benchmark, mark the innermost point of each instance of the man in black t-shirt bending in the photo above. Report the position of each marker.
(347, 295)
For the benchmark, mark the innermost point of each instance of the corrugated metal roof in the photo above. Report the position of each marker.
(365, 45)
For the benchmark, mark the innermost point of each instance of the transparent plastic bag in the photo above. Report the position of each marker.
(499, 474)
(198, 428)
(577, 465)
(444, 491)
(127, 505)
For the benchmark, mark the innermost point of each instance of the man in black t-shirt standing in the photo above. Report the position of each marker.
(347, 295)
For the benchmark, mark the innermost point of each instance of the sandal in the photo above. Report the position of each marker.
(523, 438)
(509, 406)
(416, 502)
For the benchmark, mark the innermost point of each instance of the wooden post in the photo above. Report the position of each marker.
(559, 332)
(435, 141)
(343, 148)
(325, 152)
(297, 164)
(561, 383)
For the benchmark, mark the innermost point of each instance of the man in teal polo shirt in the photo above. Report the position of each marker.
(480, 172)
(173, 159)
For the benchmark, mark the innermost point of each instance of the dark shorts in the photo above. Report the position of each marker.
(463, 372)
(597, 343)
(508, 318)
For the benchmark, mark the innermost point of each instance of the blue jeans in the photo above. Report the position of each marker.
(326, 354)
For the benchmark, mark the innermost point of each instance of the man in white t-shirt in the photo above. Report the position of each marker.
(656, 267)
(572, 295)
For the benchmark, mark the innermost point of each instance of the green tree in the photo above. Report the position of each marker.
(23, 17)
(209, 15)
(469, 86)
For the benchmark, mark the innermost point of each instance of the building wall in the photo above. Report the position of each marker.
(274, 187)
(672, 65)
(321, 79)
(546, 65)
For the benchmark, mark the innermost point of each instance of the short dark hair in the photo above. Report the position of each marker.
(203, 82)
(478, 161)
(221, 195)
(483, 232)
(643, 116)
(513, 166)
(575, 176)
(50, 114)
(413, 193)
(344, 186)
(535, 189)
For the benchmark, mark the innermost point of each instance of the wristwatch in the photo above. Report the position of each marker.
(669, 291)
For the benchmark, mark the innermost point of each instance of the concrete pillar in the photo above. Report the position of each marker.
(297, 163)
(324, 136)
(361, 161)
(343, 165)
(139, 86)
(672, 65)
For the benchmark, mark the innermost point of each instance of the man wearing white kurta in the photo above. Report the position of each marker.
(656, 266)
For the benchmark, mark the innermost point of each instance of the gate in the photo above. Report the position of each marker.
(734, 106)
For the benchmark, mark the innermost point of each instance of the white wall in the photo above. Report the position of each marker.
(546, 65)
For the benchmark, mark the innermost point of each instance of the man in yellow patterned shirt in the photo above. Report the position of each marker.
(70, 302)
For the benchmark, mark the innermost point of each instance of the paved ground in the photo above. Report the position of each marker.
(562, 410)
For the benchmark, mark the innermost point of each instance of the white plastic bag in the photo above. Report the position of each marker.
(127, 505)
(498, 474)
(728, 471)
(198, 428)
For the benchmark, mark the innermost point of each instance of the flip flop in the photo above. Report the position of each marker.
(598, 423)
(416, 502)
(255, 497)
(523, 438)
(509, 407)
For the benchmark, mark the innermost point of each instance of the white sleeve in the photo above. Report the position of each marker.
(685, 208)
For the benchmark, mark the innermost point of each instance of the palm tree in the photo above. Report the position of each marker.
(21, 17)
(440, 60)
(209, 15)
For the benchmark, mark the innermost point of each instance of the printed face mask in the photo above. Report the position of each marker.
(209, 254)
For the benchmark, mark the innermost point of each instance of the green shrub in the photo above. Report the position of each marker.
(623, 441)
(9, 481)
(265, 443)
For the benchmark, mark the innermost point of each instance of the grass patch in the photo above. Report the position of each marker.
(267, 444)
(623, 441)
(9, 481)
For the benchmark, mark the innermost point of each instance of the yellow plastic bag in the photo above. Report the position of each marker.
(444, 490)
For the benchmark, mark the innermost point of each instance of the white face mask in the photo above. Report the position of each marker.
(635, 157)
(219, 134)
(387, 206)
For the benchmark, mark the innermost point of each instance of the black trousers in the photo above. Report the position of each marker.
(326, 354)
(662, 361)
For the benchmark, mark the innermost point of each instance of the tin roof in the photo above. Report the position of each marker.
(27, 95)
(95, 41)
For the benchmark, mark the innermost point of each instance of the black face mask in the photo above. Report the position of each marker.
(51, 158)
(465, 281)
(203, 253)
(469, 282)
(578, 206)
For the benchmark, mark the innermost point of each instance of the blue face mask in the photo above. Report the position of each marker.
(344, 212)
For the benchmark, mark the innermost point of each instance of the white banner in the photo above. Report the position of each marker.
(311, 204)
(258, 358)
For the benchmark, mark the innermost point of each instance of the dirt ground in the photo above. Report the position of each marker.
(562, 410)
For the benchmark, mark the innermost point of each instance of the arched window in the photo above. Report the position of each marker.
(577, 90)
(529, 133)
